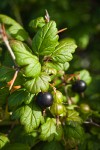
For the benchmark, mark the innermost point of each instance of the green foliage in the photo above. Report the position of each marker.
(73, 116)
(17, 146)
(49, 130)
(3, 140)
(30, 116)
(63, 51)
(74, 133)
(39, 83)
(14, 28)
(42, 61)
(29, 63)
(46, 39)
(6, 73)
(37, 23)
(18, 97)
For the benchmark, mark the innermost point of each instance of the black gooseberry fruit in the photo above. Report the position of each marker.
(79, 86)
(44, 99)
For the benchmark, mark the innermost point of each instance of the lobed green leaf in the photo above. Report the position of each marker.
(46, 39)
(85, 75)
(39, 83)
(74, 132)
(6, 73)
(63, 51)
(3, 140)
(18, 97)
(18, 135)
(50, 131)
(37, 23)
(73, 116)
(14, 28)
(25, 59)
(30, 117)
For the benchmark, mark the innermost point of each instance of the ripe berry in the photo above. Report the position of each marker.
(79, 86)
(44, 99)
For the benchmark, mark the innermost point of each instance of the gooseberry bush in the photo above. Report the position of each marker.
(41, 103)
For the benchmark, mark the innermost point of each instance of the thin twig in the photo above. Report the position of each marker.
(14, 78)
(53, 87)
(5, 39)
(91, 122)
(61, 30)
(69, 98)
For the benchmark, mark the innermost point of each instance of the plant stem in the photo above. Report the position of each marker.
(92, 123)
(14, 78)
(61, 30)
(69, 99)
(5, 39)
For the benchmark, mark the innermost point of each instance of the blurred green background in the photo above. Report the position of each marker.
(82, 19)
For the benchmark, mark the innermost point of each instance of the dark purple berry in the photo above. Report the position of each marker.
(79, 86)
(44, 99)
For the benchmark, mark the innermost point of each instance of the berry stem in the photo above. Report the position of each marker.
(53, 87)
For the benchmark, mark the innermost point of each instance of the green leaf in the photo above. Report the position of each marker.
(18, 135)
(73, 116)
(39, 83)
(4, 92)
(53, 145)
(15, 29)
(46, 39)
(37, 23)
(3, 140)
(30, 116)
(84, 75)
(17, 146)
(63, 52)
(29, 62)
(6, 73)
(61, 66)
(6, 59)
(18, 97)
(50, 131)
(74, 132)
(49, 68)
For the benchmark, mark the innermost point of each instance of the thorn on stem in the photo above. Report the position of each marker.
(61, 30)
(47, 17)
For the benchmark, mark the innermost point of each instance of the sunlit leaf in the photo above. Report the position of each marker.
(14, 28)
(25, 59)
(46, 39)
(39, 83)
(63, 52)
(50, 131)
(30, 117)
